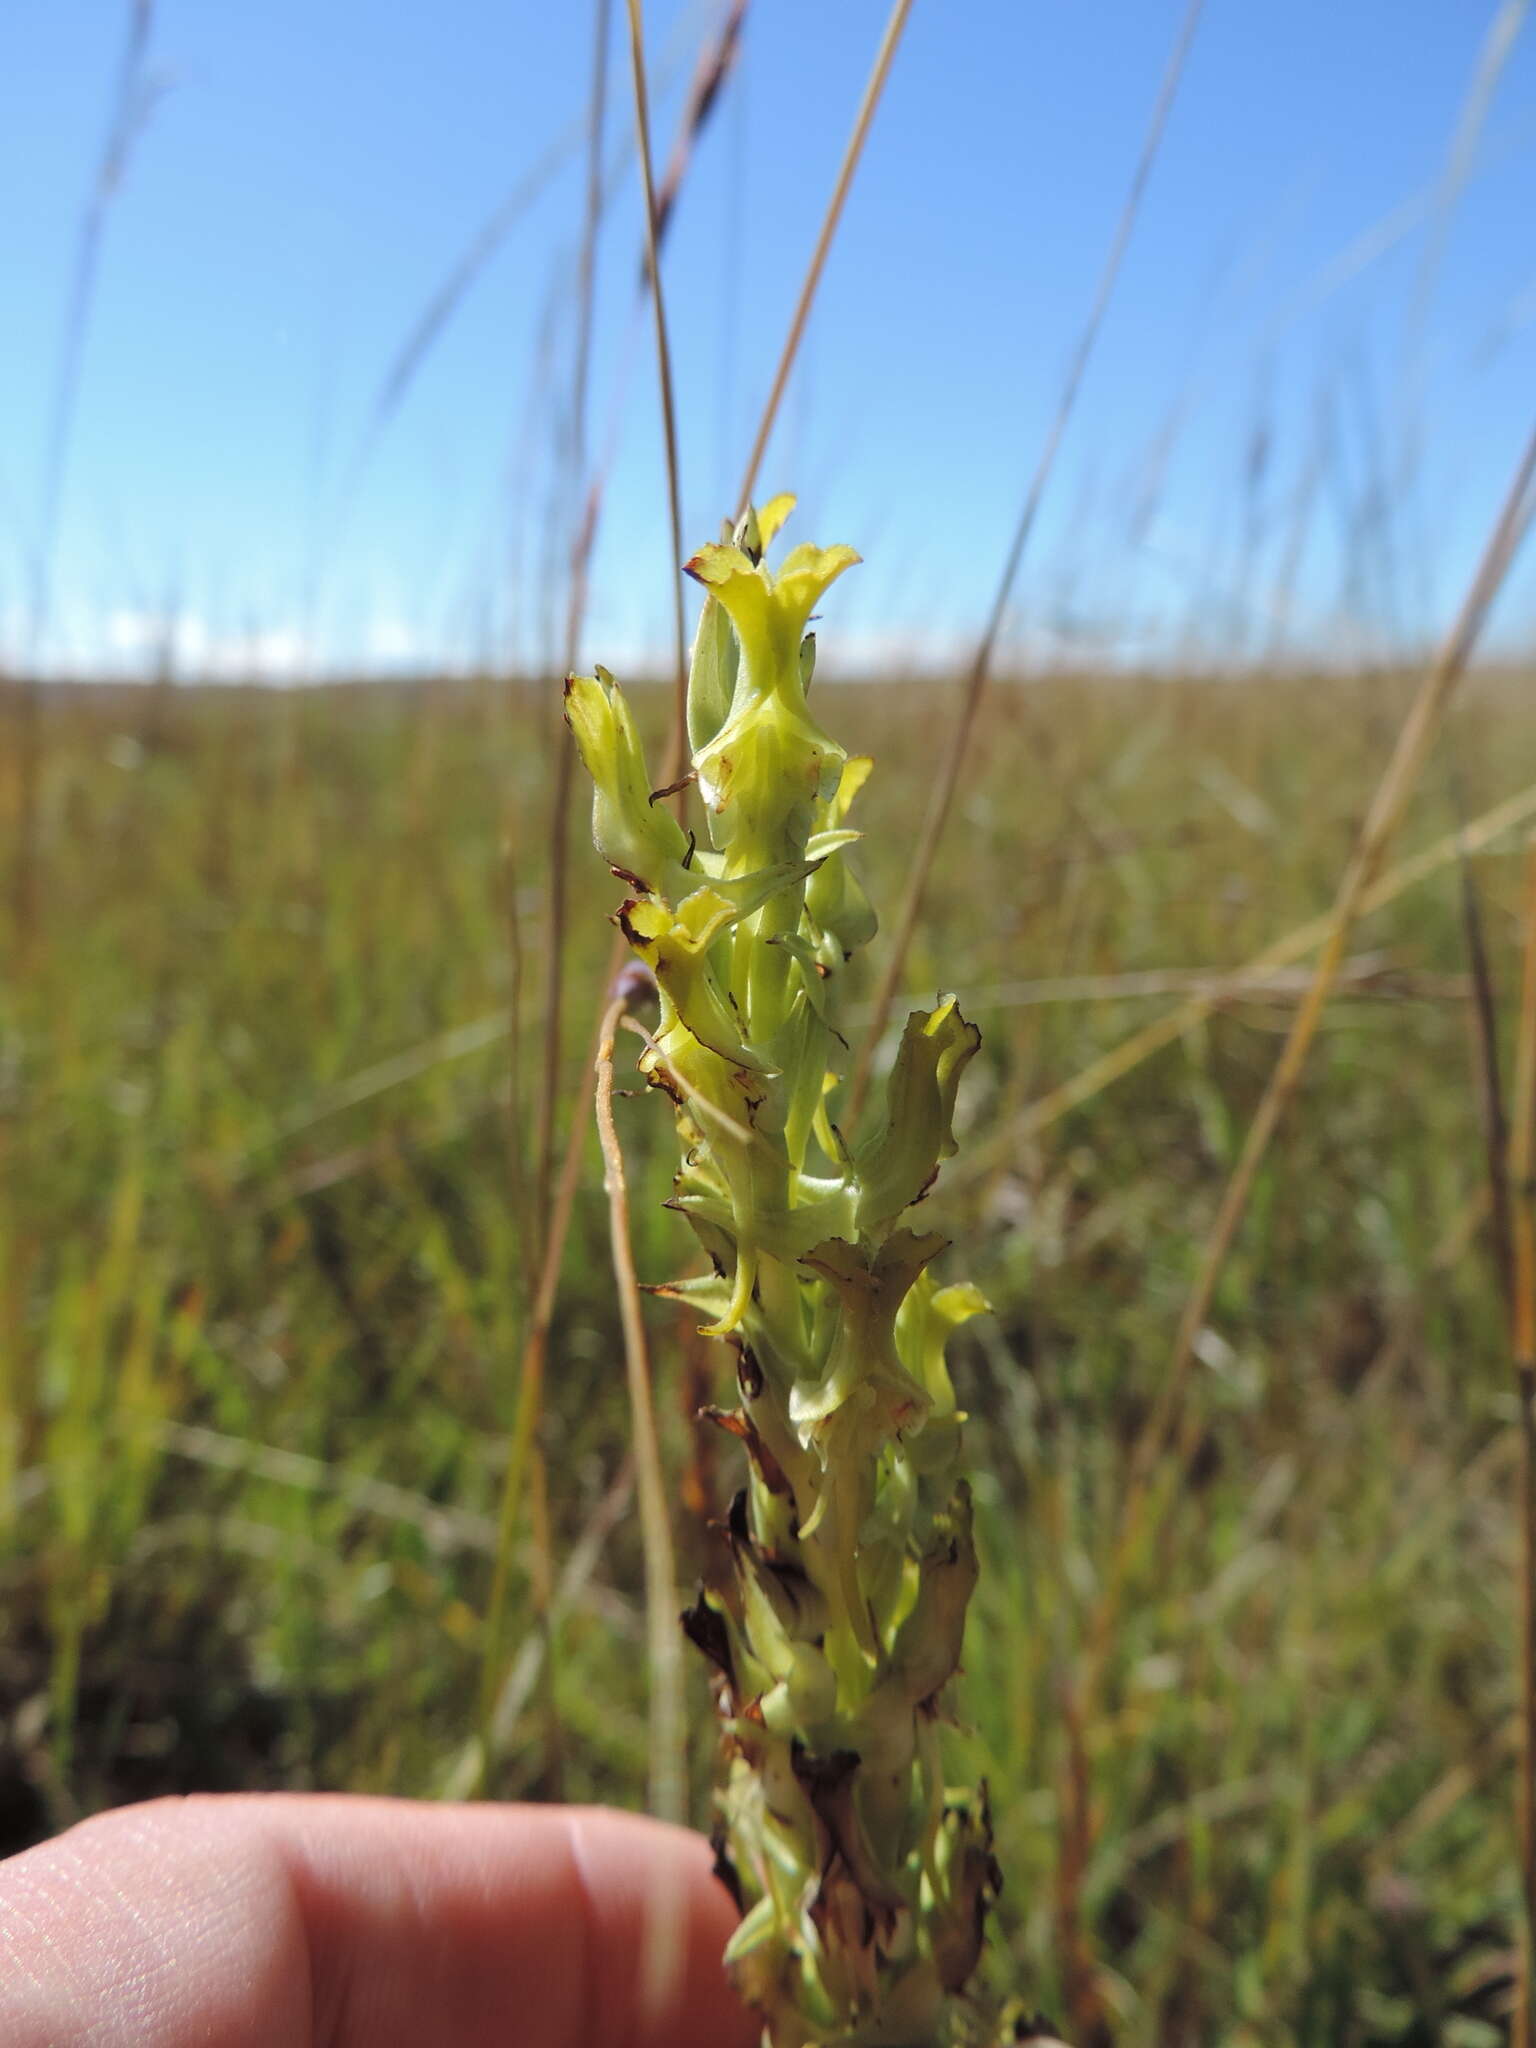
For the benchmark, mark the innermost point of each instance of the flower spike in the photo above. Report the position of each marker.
(864, 1882)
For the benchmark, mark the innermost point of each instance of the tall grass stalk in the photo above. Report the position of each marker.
(668, 1786)
(530, 1395)
(1398, 781)
(1152, 1481)
(714, 67)
(679, 742)
(1484, 831)
(973, 686)
(1522, 1175)
(531, 1211)
(889, 42)
(531, 1375)
(134, 98)
(582, 539)
(1488, 1079)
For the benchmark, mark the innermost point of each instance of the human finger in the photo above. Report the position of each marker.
(295, 1921)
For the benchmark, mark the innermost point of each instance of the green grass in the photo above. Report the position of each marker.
(261, 1324)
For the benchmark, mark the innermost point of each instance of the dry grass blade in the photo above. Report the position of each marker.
(1368, 974)
(576, 598)
(581, 367)
(1142, 1489)
(1522, 1166)
(1497, 47)
(714, 68)
(541, 1586)
(530, 1398)
(517, 1687)
(531, 1377)
(1487, 1075)
(134, 98)
(1386, 810)
(1113, 1066)
(666, 1668)
(895, 23)
(444, 1528)
(460, 278)
(668, 1775)
(974, 684)
(677, 753)
(1207, 990)
(1392, 794)
(454, 288)
(1493, 56)
(383, 1075)
(515, 1122)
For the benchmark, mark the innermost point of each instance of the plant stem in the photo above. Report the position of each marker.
(668, 1774)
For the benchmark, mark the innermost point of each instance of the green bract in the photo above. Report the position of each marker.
(863, 1882)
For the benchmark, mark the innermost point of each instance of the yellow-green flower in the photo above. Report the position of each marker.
(864, 1882)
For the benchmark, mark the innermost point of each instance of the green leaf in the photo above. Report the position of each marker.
(900, 1162)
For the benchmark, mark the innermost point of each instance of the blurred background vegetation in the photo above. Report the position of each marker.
(271, 1079)
(266, 1293)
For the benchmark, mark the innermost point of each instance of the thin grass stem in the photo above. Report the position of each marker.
(895, 24)
(516, 1687)
(974, 684)
(134, 98)
(1522, 1174)
(677, 753)
(530, 1399)
(541, 1577)
(581, 548)
(1493, 824)
(552, 1250)
(1489, 1081)
(668, 1742)
(658, 213)
(1396, 785)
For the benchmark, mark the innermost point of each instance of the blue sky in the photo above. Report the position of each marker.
(312, 169)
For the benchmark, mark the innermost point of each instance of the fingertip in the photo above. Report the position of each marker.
(347, 1921)
(659, 1920)
(556, 1927)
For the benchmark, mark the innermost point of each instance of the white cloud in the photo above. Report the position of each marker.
(135, 643)
(393, 642)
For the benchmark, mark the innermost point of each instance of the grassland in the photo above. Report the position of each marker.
(264, 1242)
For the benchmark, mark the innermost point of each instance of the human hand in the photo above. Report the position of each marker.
(292, 1921)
